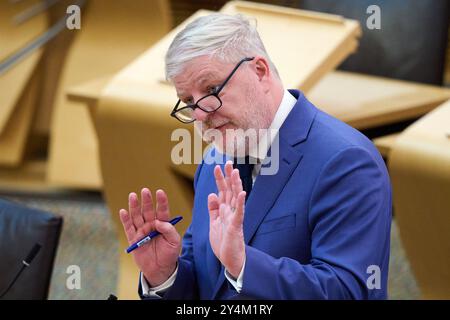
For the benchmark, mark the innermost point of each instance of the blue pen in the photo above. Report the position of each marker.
(151, 235)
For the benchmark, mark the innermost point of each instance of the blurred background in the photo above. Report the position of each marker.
(84, 120)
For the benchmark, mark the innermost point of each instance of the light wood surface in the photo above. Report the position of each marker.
(29, 178)
(14, 37)
(18, 86)
(304, 45)
(419, 166)
(102, 47)
(365, 101)
(385, 144)
(53, 60)
(14, 137)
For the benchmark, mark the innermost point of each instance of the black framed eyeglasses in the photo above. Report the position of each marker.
(209, 103)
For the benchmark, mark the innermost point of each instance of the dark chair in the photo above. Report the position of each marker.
(21, 228)
(410, 45)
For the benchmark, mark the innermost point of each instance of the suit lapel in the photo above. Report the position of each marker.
(267, 188)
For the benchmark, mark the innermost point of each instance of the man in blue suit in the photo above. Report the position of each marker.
(317, 227)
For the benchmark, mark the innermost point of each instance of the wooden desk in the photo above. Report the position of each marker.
(19, 84)
(419, 166)
(365, 101)
(101, 47)
(385, 144)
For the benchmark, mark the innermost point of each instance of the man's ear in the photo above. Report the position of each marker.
(263, 73)
(262, 68)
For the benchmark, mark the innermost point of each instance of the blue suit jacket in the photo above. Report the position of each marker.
(318, 229)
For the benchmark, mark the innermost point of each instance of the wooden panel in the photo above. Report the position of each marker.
(367, 101)
(385, 144)
(54, 55)
(304, 45)
(112, 34)
(14, 37)
(419, 166)
(183, 9)
(14, 137)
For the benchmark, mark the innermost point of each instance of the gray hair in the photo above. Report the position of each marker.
(228, 38)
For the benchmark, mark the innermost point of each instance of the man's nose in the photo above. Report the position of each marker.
(200, 115)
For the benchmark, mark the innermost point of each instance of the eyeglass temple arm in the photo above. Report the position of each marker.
(232, 73)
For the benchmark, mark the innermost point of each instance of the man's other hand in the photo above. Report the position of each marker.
(157, 259)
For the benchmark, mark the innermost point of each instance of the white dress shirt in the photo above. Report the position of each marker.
(287, 103)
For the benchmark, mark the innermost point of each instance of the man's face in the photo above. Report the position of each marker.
(243, 103)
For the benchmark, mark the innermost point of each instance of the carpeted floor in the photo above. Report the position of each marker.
(88, 241)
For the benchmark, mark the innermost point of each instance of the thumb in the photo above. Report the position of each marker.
(213, 206)
(168, 231)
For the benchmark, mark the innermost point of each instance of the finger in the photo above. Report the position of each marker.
(213, 206)
(147, 205)
(162, 206)
(127, 223)
(168, 231)
(222, 212)
(135, 210)
(236, 183)
(236, 186)
(228, 171)
(228, 197)
(238, 217)
(220, 180)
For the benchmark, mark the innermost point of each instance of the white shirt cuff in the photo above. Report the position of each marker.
(153, 292)
(237, 284)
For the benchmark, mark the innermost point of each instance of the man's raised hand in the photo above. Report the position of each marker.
(226, 216)
(157, 259)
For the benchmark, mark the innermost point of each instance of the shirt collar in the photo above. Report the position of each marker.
(287, 103)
